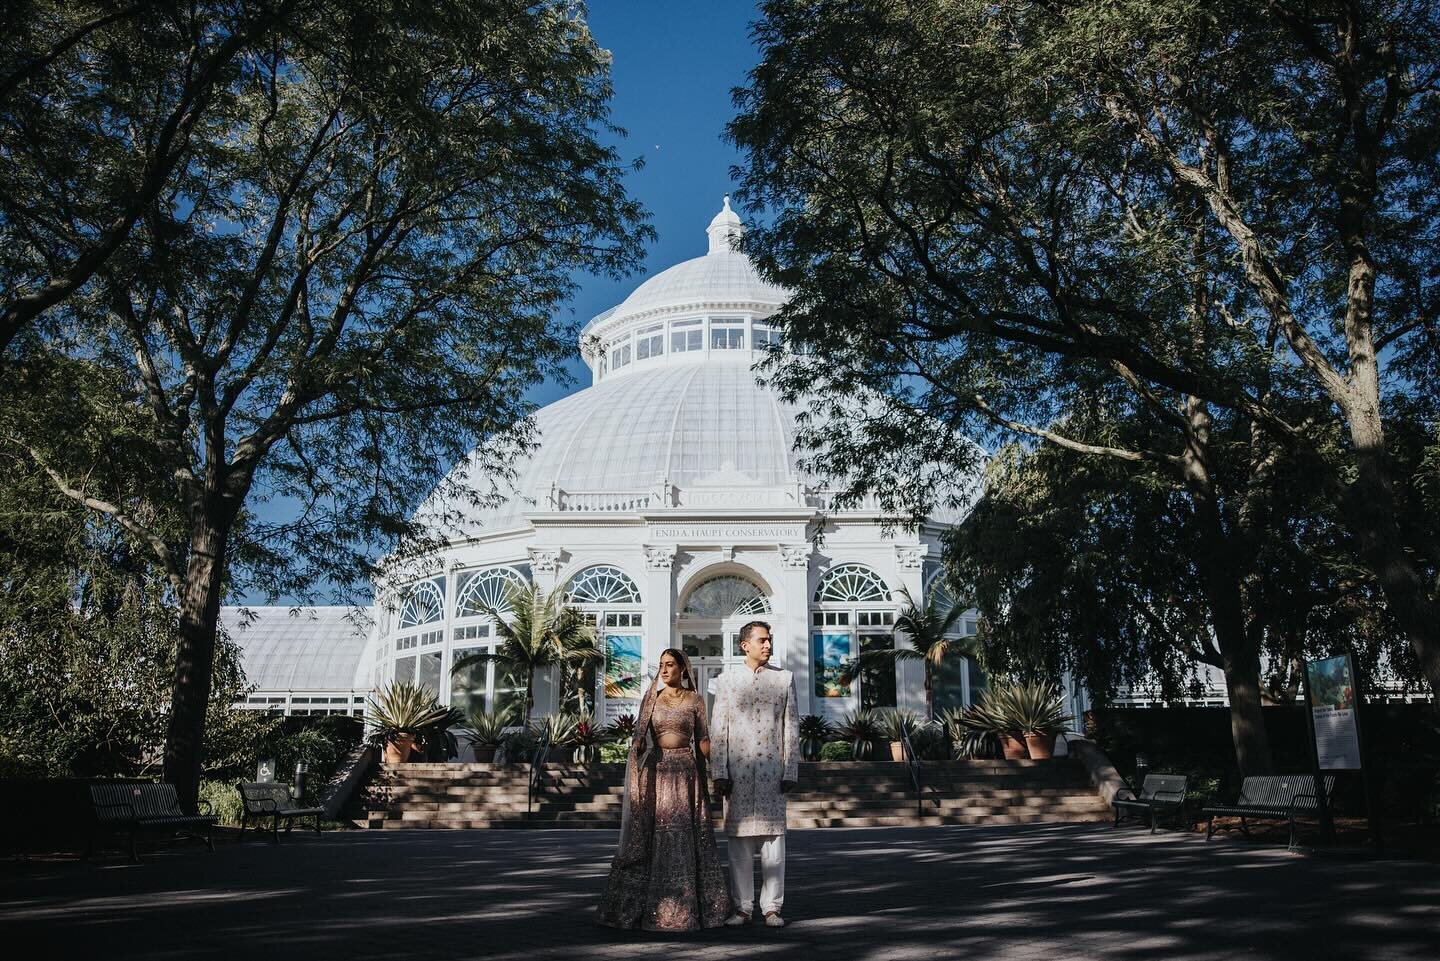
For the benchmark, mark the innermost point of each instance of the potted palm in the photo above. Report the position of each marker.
(862, 730)
(933, 638)
(539, 631)
(487, 730)
(399, 714)
(896, 725)
(814, 732)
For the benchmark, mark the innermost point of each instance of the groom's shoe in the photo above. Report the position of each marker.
(773, 920)
(737, 920)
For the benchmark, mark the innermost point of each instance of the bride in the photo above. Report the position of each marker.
(667, 875)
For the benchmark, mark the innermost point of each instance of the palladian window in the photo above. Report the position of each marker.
(610, 602)
(853, 613)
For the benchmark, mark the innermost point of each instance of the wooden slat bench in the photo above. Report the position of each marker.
(1271, 797)
(135, 808)
(1161, 794)
(271, 799)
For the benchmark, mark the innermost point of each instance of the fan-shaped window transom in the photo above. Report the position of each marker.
(849, 584)
(726, 596)
(602, 585)
(424, 604)
(489, 590)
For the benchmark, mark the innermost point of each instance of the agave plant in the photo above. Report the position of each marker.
(861, 725)
(970, 733)
(559, 729)
(1022, 709)
(813, 727)
(897, 724)
(404, 708)
(487, 728)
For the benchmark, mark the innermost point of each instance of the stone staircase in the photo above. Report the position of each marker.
(830, 794)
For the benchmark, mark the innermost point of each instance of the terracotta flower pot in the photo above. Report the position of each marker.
(1013, 747)
(398, 748)
(561, 754)
(897, 751)
(1041, 746)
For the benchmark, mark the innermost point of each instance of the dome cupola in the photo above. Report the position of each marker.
(710, 309)
(724, 230)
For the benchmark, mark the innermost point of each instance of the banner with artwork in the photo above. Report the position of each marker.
(624, 674)
(1331, 683)
(831, 653)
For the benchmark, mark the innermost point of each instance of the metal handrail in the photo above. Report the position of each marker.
(537, 758)
(913, 763)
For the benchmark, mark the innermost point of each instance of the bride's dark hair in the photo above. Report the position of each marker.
(687, 680)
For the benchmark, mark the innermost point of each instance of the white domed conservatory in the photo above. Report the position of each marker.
(666, 499)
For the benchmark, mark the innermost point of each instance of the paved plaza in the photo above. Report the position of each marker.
(1034, 892)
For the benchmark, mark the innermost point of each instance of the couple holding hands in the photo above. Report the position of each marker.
(667, 874)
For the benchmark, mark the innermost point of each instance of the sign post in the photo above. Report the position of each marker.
(1332, 711)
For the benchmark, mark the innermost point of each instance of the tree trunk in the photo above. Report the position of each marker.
(1221, 561)
(1247, 719)
(194, 659)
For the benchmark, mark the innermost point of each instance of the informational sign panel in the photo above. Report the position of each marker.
(265, 770)
(624, 676)
(1332, 707)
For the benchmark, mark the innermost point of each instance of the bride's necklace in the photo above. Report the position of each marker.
(673, 693)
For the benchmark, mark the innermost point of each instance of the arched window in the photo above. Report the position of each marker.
(938, 597)
(726, 596)
(602, 585)
(851, 584)
(490, 589)
(424, 604)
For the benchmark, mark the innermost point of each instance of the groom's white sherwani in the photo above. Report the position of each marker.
(755, 744)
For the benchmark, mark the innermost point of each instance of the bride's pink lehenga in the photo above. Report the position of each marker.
(666, 875)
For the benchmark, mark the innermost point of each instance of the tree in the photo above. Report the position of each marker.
(99, 110)
(930, 631)
(86, 659)
(541, 632)
(346, 286)
(1079, 564)
(997, 212)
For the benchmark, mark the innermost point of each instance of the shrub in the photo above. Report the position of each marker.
(224, 800)
(837, 751)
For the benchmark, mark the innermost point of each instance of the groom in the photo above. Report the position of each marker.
(755, 760)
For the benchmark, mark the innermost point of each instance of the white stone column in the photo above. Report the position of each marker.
(659, 597)
(793, 630)
(910, 675)
(544, 569)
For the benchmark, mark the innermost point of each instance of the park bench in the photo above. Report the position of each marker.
(1271, 797)
(271, 799)
(1160, 794)
(132, 809)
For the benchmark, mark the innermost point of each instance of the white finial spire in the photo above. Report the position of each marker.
(725, 229)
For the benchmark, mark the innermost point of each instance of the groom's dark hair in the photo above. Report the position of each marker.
(749, 629)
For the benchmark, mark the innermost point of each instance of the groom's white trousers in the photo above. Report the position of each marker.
(772, 871)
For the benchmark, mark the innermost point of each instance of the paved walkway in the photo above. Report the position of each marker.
(1037, 892)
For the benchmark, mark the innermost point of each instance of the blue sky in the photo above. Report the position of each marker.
(675, 65)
